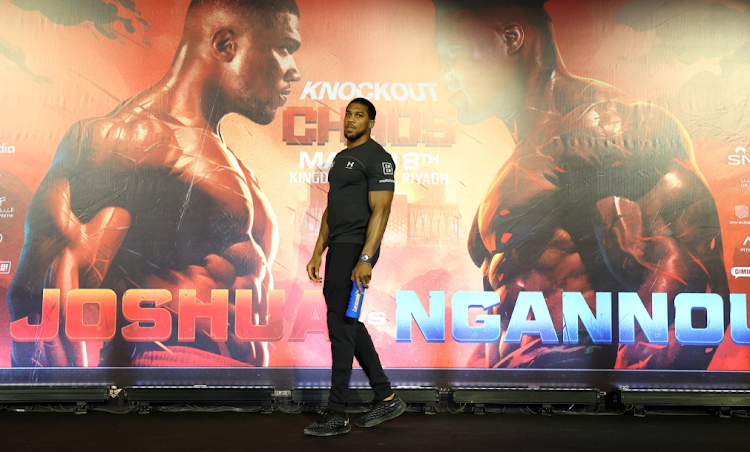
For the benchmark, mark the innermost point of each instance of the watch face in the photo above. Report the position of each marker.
(364, 258)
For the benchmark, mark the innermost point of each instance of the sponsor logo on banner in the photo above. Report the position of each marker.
(1, 238)
(5, 211)
(741, 272)
(4, 267)
(741, 212)
(739, 157)
(5, 148)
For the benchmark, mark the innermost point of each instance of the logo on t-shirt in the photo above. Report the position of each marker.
(387, 169)
(349, 165)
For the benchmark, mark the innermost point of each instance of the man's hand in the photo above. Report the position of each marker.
(361, 275)
(313, 268)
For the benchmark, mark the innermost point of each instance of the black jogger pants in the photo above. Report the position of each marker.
(349, 337)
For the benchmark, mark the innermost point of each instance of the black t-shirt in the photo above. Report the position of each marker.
(354, 173)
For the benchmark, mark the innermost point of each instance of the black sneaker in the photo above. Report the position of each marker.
(331, 423)
(381, 412)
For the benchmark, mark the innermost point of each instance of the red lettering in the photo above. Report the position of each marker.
(304, 323)
(432, 127)
(48, 328)
(82, 323)
(134, 312)
(325, 125)
(216, 313)
(268, 329)
(380, 131)
(394, 130)
(91, 315)
(289, 116)
(446, 127)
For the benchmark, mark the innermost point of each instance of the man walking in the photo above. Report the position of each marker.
(359, 203)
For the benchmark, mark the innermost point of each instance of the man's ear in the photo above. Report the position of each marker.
(224, 45)
(513, 37)
(372, 124)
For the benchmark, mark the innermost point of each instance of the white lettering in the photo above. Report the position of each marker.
(352, 91)
(380, 90)
(376, 318)
(411, 161)
(404, 91)
(735, 160)
(361, 94)
(424, 178)
(422, 95)
(330, 90)
(431, 87)
(305, 177)
(305, 162)
(310, 90)
(6, 149)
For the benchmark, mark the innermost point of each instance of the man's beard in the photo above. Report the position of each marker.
(353, 136)
(258, 113)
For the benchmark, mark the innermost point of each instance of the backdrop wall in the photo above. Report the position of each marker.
(588, 215)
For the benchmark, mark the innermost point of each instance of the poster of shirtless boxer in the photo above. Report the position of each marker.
(571, 185)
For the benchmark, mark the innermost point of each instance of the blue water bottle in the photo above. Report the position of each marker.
(354, 309)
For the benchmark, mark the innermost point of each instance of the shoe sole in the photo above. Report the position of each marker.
(341, 431)
(380, 420)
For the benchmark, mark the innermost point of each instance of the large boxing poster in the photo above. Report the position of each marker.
(571, 182)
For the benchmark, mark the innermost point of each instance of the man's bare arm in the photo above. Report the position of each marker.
(313, 267)
(62, 252)
(380, 204)
(678, 250)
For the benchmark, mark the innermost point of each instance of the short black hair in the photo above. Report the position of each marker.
(534, 8)
(531, 10)
(447, 6)
(267, 9)
(370, 107)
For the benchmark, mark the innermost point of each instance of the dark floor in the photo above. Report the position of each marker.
(443, 432)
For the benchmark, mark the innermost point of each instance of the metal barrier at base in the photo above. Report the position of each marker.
(54, 394)
(526, 396)
(199, 394)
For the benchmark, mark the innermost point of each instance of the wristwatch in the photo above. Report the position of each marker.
(365, 259)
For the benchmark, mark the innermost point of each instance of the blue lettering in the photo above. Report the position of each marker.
(431, 326)
(685, 304)
(738, 318)
(520, 324)
(631, 309)
(599, 327)
(487, 327)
